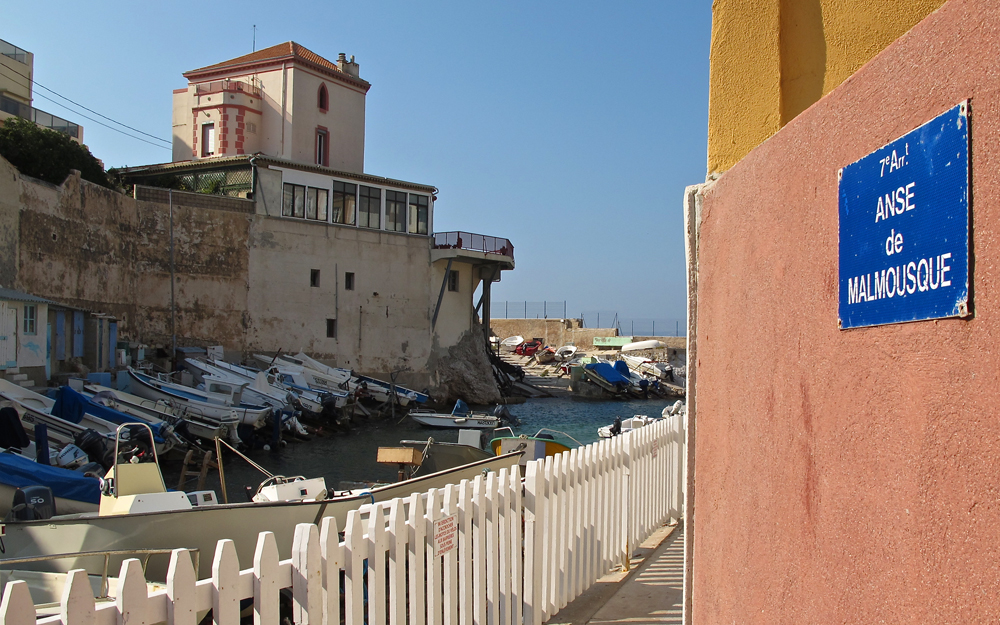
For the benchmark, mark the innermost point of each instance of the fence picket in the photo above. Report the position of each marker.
(225, 578)
(265, 581)
(16, 607)
(433, 559)
(465, 515)
(333, 564)
(450, 564)
(503, 547)
(377, 548)
(355, 548)
(307, 575)
(77, 605)
(417, 531)
(534, 516)
(182, 603)
(397, 563)
(516, 544)
(132, 596)
(492, 563)
(479, 551)
(547, 538)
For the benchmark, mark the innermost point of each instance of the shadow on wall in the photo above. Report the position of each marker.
(803, 56)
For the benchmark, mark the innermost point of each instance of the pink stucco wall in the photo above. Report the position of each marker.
(849, 476)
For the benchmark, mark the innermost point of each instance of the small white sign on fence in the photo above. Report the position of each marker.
(445, 535)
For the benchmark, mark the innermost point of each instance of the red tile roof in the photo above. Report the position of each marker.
(283, 51)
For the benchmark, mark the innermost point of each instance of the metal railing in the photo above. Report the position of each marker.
(528, 310)
(12, 51)
(227, 85)
(473, 242)
(46, 120)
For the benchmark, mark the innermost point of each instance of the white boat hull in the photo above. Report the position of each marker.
(201, 527)
(477, 422)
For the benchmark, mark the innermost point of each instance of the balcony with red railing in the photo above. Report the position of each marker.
(473, 242)
(227, 86)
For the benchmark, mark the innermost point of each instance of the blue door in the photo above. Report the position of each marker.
(77, 334)
(60, 335)
(113, 343)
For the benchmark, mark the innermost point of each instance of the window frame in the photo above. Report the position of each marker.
(365, 200)
(395, 210)
(348, 191)
(210, 127)
(32, 319)
(323, 98)
(314, 275)
(349, 281)
(454, 284)
(414, 212)
(298, 191)
(331, 328)
(322, 147)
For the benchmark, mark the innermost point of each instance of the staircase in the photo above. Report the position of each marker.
(14, 376)
(544, 377)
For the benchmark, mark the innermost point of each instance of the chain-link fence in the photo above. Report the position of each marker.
(528, 310)
(634, 326)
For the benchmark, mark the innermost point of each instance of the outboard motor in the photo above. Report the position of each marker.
(33, 503)
(95, 446)
(12, 432)
(503, 412)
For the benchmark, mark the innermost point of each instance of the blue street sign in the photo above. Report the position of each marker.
(904, 227)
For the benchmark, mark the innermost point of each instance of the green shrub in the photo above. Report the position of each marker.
(46, 154)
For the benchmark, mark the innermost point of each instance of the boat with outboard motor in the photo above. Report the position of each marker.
(137, 512)
(542, 443)
(71, 414)
(218, 401)
(461, 416)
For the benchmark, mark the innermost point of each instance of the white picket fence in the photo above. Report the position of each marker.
(497, 550)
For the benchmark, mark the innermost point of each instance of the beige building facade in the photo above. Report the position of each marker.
(17, 72)
(247, 105)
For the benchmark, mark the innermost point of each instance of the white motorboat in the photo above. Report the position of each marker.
(639, 345)
(511, 342)
(310, 399)
(460, 417)
(182, 419)
(565, 353)
(402, 393)
(218, 401)
(645, 366)
(621, 426)
(77, 416)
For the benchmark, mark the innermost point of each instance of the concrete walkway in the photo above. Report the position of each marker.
(649, 593)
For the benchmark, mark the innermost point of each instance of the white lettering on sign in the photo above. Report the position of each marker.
(445, 535)
(893, 161)
(927, 274)
(895, 202)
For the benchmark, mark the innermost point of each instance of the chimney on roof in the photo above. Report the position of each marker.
(348, 67)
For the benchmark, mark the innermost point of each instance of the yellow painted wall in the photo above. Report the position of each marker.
(771, 59)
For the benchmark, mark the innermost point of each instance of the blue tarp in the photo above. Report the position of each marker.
(461, 408)
(18, 471)
(608, 372)
(71, 406)
(622, 368)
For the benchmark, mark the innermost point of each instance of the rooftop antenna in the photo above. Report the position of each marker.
(254, 38)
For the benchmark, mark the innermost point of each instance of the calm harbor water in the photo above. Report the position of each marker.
(352, 457)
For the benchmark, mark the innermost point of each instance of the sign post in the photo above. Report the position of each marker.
(904, 227)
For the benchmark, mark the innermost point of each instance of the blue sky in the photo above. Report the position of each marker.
(570, 128)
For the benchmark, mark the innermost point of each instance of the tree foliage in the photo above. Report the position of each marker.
(46, 154)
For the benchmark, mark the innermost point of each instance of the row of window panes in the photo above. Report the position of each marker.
(312, 203)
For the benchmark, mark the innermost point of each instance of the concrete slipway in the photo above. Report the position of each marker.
(650, 592)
